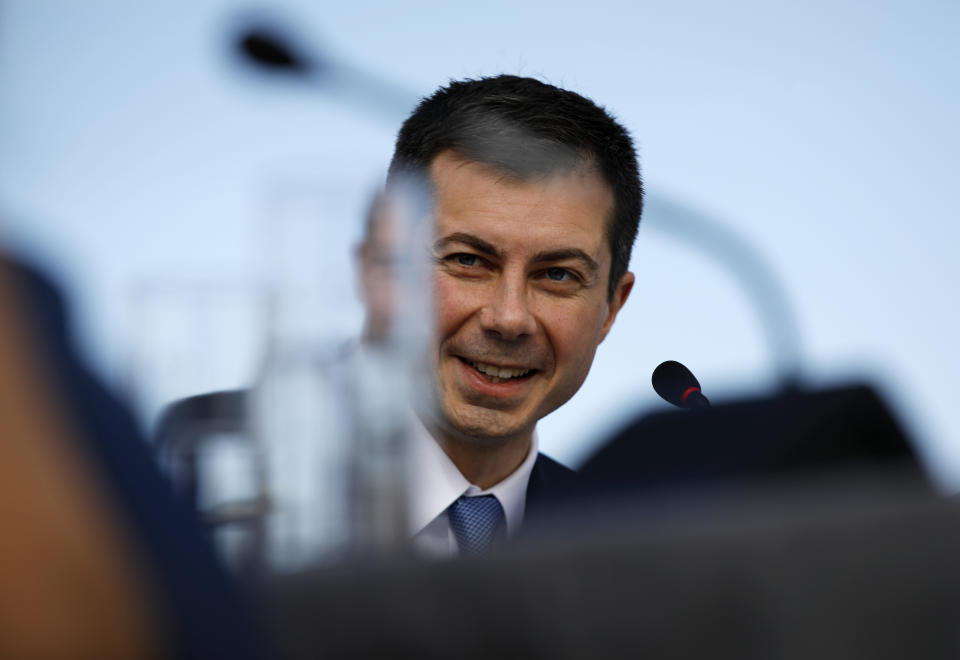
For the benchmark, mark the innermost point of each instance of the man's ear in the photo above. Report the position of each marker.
(620, 295)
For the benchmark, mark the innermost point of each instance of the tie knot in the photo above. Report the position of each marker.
(475, 522)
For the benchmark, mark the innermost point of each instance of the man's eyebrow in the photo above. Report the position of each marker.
(475, 242)
(569, 253)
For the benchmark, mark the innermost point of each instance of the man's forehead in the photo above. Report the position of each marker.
(553, 209)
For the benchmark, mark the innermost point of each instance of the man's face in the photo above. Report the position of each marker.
(521, 293)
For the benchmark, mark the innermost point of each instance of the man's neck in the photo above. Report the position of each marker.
(484, 463)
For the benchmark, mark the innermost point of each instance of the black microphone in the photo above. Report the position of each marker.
(677, 385)
(263, 43)
(270, 49)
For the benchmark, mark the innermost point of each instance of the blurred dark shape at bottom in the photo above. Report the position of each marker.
(837, 569)
(201, 613)
(797, 433)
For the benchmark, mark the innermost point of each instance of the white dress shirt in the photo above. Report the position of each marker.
(438, 483)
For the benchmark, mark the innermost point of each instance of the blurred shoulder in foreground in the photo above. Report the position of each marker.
(99, 558)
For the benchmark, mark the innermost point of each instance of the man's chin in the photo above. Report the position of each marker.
(483, 428)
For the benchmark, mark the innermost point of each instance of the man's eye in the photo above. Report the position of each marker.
(467, 259)
(558, 274)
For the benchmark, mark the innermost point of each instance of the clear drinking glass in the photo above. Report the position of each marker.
(332, 407)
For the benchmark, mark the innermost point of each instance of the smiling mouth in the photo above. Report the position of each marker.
(496, 374)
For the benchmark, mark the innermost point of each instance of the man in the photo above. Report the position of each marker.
(537, 199)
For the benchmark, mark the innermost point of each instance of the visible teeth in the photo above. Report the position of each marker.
(498, 374)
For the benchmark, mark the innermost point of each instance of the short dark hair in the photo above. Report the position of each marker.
(524, 128)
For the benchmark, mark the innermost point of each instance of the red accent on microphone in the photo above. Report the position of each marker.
(687, 392)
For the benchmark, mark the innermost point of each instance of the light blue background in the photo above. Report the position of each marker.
(823, 132)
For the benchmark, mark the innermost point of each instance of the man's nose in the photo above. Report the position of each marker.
(507, 311)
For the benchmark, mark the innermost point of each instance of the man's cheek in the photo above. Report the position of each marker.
(450, 302)
(444, 300)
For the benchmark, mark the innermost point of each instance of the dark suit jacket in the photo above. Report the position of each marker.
(550, 486)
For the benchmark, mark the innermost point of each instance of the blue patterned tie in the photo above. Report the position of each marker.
(475, 522)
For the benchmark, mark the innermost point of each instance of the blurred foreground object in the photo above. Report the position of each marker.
(330, 414)
(74, 583)
(837, 570)
(328, 420)
(98, 558)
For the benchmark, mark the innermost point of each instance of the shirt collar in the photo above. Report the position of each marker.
(437, 483)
